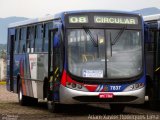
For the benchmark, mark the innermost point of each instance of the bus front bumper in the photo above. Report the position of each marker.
(70, 96)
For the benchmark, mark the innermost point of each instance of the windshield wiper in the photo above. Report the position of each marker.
(88, 32)
(118, 36)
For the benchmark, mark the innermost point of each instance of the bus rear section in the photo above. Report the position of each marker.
(93, 57)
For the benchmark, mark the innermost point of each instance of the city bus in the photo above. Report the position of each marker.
(152, 54)
(78, 57)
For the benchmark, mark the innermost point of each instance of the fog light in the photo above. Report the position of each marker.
(73, 85)
(137, 85)
(79, 86)
(68, 83)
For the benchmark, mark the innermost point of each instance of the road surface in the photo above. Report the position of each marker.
(11, 110)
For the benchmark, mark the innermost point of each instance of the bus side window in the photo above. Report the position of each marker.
(32, 34)
(30, 39)
(28, 44)
(20, 39)
(23, 40)
(47, 26)
(38, 40)
(16, 48)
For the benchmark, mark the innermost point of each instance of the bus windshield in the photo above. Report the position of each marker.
(104, 53)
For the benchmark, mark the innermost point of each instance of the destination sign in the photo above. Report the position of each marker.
(116, 20)
(78, 19)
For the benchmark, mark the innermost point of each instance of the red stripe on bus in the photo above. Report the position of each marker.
(22, 76)
(91, 88)
(64, 78)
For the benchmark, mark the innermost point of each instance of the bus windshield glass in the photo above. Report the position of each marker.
(104, 53)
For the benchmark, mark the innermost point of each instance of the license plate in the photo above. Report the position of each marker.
(106, 95)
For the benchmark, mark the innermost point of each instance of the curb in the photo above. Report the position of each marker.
(2, 83)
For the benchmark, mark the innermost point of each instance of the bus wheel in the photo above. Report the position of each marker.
(117, 108)
(25, 100)
(32, 101)
(22, 99)
(52, 106)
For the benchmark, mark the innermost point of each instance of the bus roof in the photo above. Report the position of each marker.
(31, 21)
(154, 17)
(59, 15)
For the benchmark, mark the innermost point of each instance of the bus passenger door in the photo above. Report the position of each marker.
(153, 63)
(55, 62)
(157, 66)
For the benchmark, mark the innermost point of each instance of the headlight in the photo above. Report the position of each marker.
(76, 86)
(135, 86)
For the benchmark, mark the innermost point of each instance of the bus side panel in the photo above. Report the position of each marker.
(21, 68)
(16, 71)
(18, 60)
(26, 81)
(42, 72)
(42, 66)
(33, 68)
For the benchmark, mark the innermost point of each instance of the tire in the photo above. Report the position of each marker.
(117, 108)
(32, 101)
(25, 100)
(22, 99)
